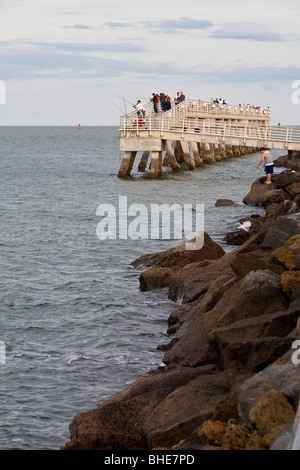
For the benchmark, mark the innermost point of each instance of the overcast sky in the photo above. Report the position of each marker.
(63, 61)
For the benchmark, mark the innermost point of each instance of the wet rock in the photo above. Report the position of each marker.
(179, 256)
(187, 407)
(118, 423)
(225, 202)
(261, 194)
(155, 278)
(194, 280)
(237, 237)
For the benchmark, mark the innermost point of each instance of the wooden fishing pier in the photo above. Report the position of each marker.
(194, 132)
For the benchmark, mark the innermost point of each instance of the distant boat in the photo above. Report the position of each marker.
(79, 126)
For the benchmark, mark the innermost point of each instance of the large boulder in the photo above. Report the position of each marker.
(194, 280)
(278, 324)
(272, 414)
(180, 256)
(281, 230)
(286, 256)
(261, 194)
(155, 278)
(256, 294)
(284, 378)
(243, 263)
(257, 354)
(156, 411)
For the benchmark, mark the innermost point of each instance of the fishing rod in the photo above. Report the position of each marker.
(122, 99)
(119, 109)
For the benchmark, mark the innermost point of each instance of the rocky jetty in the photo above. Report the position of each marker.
(230, 380)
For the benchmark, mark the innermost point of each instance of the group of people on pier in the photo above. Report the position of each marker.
(163, 101)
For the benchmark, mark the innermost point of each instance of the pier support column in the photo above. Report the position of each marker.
(178, 152)
(187, 155)
(208, 156)
(217, 153)
(229, 151)
(143, 163)
(127, 164)
(222, 152)
(196, 153)
(156, 164)
(236, 151)
(172, 161)
(165, 160)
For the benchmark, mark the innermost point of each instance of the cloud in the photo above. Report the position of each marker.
(248, 31)
(180, 23)
(112, 24)
(29, 59)
(80, 26)
(164, 25)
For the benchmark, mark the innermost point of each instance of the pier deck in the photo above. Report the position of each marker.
(195, 132)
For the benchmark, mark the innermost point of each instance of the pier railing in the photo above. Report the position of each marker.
(193, 108)
(209, 127)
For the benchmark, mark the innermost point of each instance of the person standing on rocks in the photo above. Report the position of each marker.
(269, 167)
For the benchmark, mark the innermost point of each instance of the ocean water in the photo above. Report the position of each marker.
(74, 325)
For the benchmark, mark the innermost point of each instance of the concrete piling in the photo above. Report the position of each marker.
(187, 155)
(156, 165)
(144, 160)
(170, 155)
(127, 164)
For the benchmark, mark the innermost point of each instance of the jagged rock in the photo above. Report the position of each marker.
(255, 355)
(179, 256)
(189, 406)
(281, 230)
(156, 411)
(155, 278)
(286, 255)
(284, 208)
(290, 281)
(237, 237)
(285, 178)
(279, 377)
(117, 424)
(243, 263)
(273, 324)
(223, 436)
(281, 161)
(272, 414)
(295, 240)
(261, 194)
(293, 189)
(257, 293)
(194, 280)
